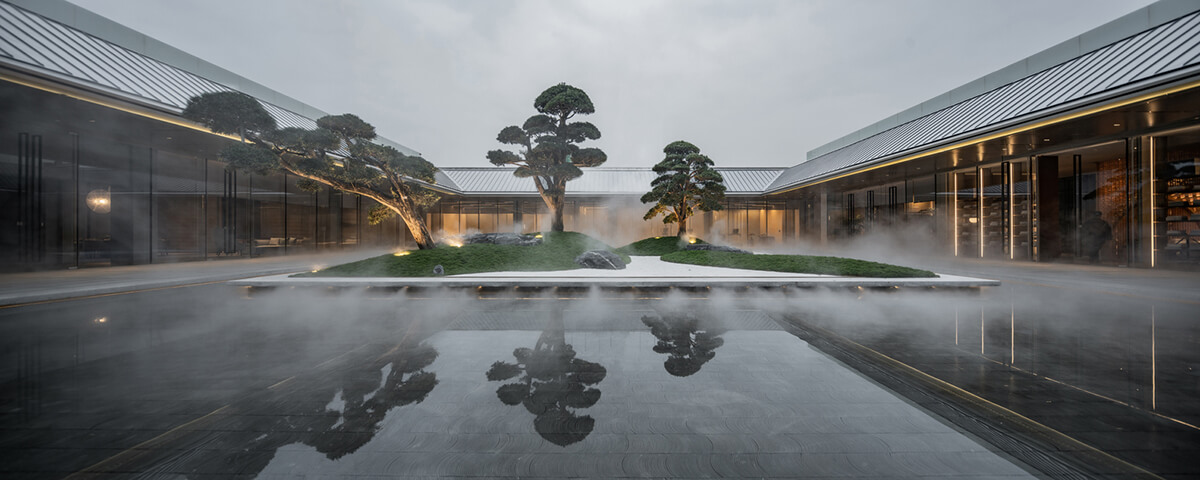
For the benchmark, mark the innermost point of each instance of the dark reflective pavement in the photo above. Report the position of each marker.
(199, 383)
(1119, 372)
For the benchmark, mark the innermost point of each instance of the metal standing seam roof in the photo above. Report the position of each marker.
(1157, 52)
(596, 181)
(35, 43)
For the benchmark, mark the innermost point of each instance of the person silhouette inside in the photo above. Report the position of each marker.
(1095, 232)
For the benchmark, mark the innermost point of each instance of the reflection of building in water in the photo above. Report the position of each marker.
(103, 171)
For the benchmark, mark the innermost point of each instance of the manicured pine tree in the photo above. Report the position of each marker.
(547, 150)
(338, 153)
(686, 182)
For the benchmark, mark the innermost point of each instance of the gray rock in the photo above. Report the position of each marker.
(438, 270)
(713, 248)
(502, 239)
(601, 259)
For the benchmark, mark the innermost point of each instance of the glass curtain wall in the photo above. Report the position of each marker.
(1022, 224)
(1176, 200)
(920, 206)
(178, 222)
(994, 218)
(38, 203)
(966, 200)
(1083, 205)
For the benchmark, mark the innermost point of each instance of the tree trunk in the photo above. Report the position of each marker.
(414, 222)
(416, 225)
(400, 203)
(555, 203)
(557, 210)
(682, 225)
(554, 336)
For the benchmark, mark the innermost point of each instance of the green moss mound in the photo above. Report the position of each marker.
(846, 267)
(557, 252)
(655, 246)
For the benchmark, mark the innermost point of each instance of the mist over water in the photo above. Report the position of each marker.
(329, 380)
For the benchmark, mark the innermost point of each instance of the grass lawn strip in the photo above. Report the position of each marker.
(655, 246)
(846, 267)
(557, 252)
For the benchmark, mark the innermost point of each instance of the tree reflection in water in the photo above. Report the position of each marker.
(551, 383)
(401, 380)
(688, 340)
(336, 417)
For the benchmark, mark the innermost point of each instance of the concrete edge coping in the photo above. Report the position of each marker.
(576, 280)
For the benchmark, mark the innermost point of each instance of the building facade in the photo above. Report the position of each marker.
(1086, 152)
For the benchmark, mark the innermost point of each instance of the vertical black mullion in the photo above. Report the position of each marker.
(1077, 166)
(230, 205)
(316, 219)
(224, 211)
(250, 200)
(22, 146)
(150, 206)
(1130, 206)
(75, 175)
(233, 220)
(38, 217)
(871, 208)
(286, 240)
(204, 212)
(849, 209)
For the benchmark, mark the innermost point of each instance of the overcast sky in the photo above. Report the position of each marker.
(752, 83)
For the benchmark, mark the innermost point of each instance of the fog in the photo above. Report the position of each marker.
(322, 379)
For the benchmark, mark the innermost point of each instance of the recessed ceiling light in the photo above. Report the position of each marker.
(1116, 124)
(1045, 139)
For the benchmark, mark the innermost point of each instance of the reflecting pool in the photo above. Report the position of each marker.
(204, 381)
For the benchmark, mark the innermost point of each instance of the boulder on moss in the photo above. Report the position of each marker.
(502, 239)
(600, 259)
(713, 248)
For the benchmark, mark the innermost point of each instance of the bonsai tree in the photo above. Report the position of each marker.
(546, 143)
(686, 181)
(338, 153)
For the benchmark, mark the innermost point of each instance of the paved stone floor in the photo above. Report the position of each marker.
(200, 383)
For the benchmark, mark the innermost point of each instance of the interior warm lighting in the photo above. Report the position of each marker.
(1116, 124)
(100, 201)
(973, 220)
(1045, 139)
(100, 320)
(1153, 245)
